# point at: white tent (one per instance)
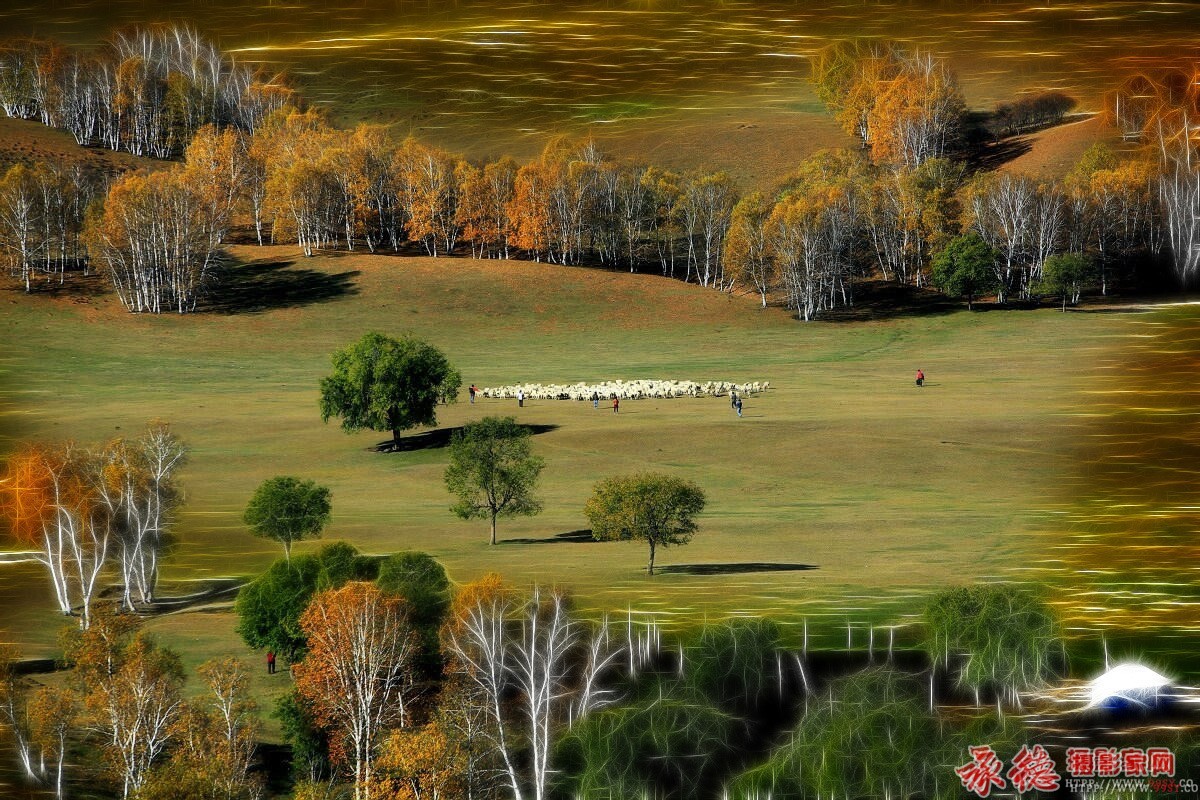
(1131, 683)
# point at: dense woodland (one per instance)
(252, 156)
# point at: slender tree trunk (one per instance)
(493, 528)
(650, 566)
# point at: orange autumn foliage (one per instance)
(358, 674)
(27, 493)
(421, 764)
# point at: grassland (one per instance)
(885, 490)
(28, 142)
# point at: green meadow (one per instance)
(842, 498)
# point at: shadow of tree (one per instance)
(877, 299)
(266, 285)
(990, 156)
(732, 569)
(71, 284)
(437, 438)
(576, 537)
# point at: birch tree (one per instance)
(747, 251)
(357, 676)
(132, 695)
(22, 221)
(139, 490)
(51, 501)
(526, 658)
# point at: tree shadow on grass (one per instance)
(732, 569)
(989, 156)
(267, 285)
(576, 537)
(437, 439)
(877, 299)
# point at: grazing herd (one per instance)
(624, 390)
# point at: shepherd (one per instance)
(920, 378)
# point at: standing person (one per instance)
(738, 405)
(520, 398)
(595, 399)
(471, 391)
(733, 400)
(270, 662)
(616, 404)
(920, 377)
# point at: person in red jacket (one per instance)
(616, 403)
(920, 378)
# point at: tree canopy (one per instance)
(651, 507)
(1064, 276)
(869, 736)
(1004, 636)
(269, 607)
(288, 509)
(421, 582)
(492, 471)
(385, 384)
(965, 268)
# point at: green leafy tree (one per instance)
(492, 471)
(269, 607)
(1065, 276)
(868, 736)
(288, 510)
(308, 740)
(651, 507)
(421, 581)
(673, 746)
(1001, 636)
(730, 663)
(384, 384)
(965, 267)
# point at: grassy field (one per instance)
(844, 495)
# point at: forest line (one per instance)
(256, 158)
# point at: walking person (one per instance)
(471, 391)
(520, 398)
(270, 662)
(920, 377)
(733, 400)
(616, 404)
(738, 405)
(595, 399)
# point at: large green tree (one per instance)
(287, 510)
(385, 384)
(269, 607)
(1065, 275)
(965, 267)
(492, 471)
(422, 583)
(652, 507)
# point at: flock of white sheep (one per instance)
(625, 390)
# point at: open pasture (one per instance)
(844, 495)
